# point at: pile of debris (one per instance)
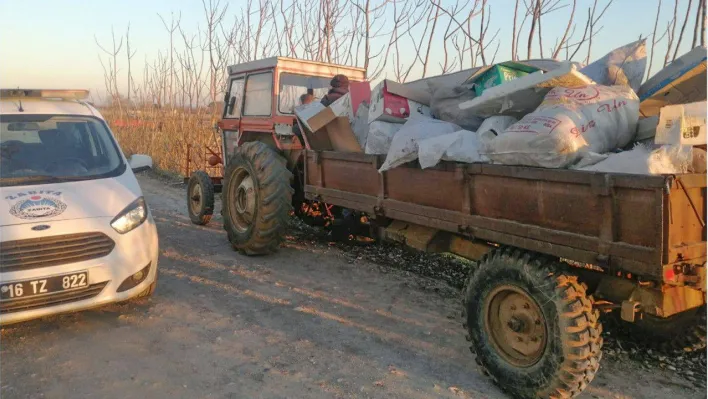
(540, 113)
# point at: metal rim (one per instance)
(195, 199)
(243, 205)
(514, 322)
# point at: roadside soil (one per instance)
(312, 321)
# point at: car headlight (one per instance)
(131, 217)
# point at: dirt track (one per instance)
(304, 323)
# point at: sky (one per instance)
(52, 43)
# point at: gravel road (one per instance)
(309, 322)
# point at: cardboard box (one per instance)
(682, 124)
(337, 135)
(498, 74)
(315, 115)
(341, 136)
(683, 81)
(394, 102)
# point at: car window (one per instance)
(292, 87)
(37, 148)
(235, 95)
(258, 94)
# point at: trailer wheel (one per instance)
(200, 198)
(256, 199)
(684, 332)
(533, 328)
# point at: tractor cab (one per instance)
(261, 97)
(259, 105)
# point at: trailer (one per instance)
(553, 248)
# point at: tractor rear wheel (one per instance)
(256, 198)
(533, 328)
(200, 198)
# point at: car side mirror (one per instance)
(140, 163)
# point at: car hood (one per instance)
(66, 201)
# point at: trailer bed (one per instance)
(623, 223)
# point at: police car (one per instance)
(75, 230)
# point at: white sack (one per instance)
(568, 124)
(445, 105)
(465, 149)
(360, 125)
(642, 160)
(404, 147)
(494, 126)
(380, 135)
(460, 146)
(621, 66)
(699, 161)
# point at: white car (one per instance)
(75, 231)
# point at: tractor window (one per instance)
(293, 87)
(236, 95)
(259, 92)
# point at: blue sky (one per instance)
(50, 43)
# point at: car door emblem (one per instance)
(40, 227)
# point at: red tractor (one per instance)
(259, 168)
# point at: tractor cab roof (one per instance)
(294, 65)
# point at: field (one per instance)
(164, 135)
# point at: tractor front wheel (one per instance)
(256, 199)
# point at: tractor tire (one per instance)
(200, 198)
(532, 327)
(256, 198)
(682, 332)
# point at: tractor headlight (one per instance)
(131, 217)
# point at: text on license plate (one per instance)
(44, 285)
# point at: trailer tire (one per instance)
(200, 198)
(517, 299)
(256, 198)
(683, 332)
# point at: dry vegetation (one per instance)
(174, 100)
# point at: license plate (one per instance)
(43, 286)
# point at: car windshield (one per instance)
(37, 149)
(293, 87)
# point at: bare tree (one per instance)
(565, 37)
(671, 32)
(703, 23)
(110, 69)
(592, 21)
(696, 26)
(683, 28)
(171, 30)
(214, 14)
(535, 16)
(130, 58)
(654, 39)
(514, 56)
(372, 15)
